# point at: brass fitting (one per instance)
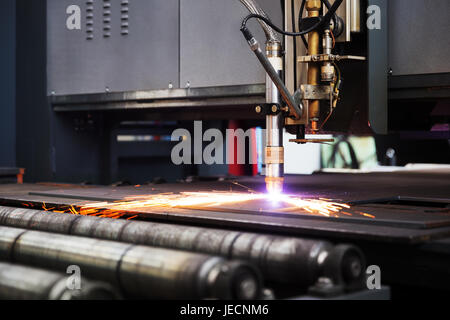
(327, 72)
(313, 8)
(313, 5)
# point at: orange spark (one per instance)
(190, 200)
(212, 199)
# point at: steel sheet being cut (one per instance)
(372, 213)
(392, 223)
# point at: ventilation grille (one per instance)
(106, 18)
(124, 16)
(90, 19)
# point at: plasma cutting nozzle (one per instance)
(274, 185)
(274, 169)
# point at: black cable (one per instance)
(328, 5)
(335, 19)
(274, 27)
(322, 21)
(300, 19)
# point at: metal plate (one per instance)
(393, 223)
(213, 50)
(426, 49)
(146, 58)
(412, 217)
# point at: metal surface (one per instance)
(280, 259)
(295, 109)
(254, 8)
(328, 57)
(355, 22)
(426, 49)
(327, 70)
(313, 8)
(10, 171)
(378, 71)
(345, 11)
(393, 224)
(424, 86)
(412, 216)
(145, 58)
(318, 92)
(167, 98)
(139, 271)
(213, 52)
(274, 151)
(301, 141)
(8, 83)
(26, 283)
(11, 175)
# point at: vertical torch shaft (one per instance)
(274, 125)
(313, 8)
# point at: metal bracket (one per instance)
(315, 92)
(270, 109)
(328, 58)
(304, 141)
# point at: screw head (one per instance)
(274, 109)
(258, 109)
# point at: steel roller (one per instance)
(140, 272)
(26, 283)
(280, 259)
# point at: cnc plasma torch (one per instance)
(282, 109)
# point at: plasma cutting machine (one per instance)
(109, 81)
(292, 88)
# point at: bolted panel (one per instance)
(112, 45)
